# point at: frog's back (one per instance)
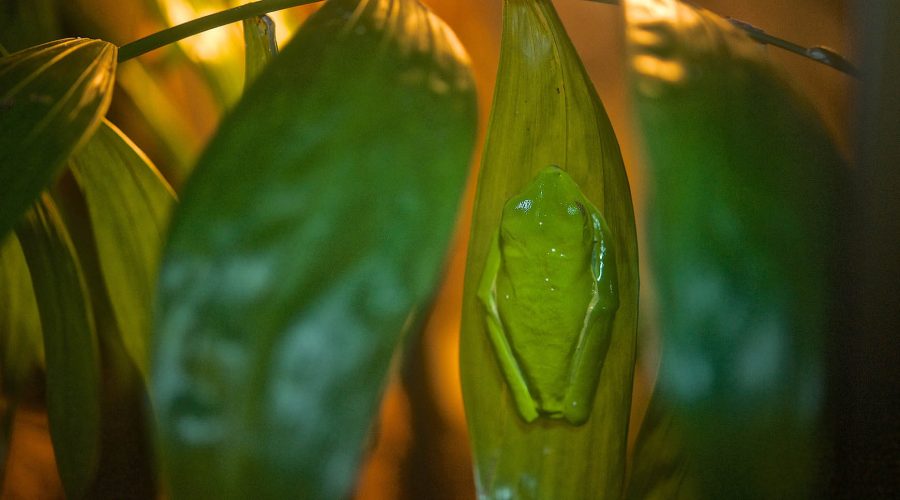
(544, 311)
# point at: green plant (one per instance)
(241, 350)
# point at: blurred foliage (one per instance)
(308, 240)
(743, 233)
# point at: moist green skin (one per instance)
(550, 295)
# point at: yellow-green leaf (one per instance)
(309, 238)
(51, 99)
(70, 345)
(260, 46)
(742, 224)
(129, 204)
(546, 112)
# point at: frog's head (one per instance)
(549, 210)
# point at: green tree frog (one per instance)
(550, 294)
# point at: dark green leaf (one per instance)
(126, 462)
(260, 46)
(312, 232)
(659, 468)
(21, 346)
(70, 344)
(129, 205)
(742, 224)
(51, 99)
(24, 23)
(546, 112)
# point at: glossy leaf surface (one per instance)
(51, 99)
(306, 242)
(129, 203)
(70, 345)
(546, 112)
(742, 227)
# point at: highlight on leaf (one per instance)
(53, 96)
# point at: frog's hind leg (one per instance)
(508, 364)
(596, 333)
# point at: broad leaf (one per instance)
(51, 99)
(742, 227)
(659, 468)
(70, 345)
(546, 112)
(129, 204)
(313, 230)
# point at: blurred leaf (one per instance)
(215, 53)
(24, 23)
(742, 227)
(659, 467)
(70, 343)
(21, 345)
(260, 46)
(546, 112)
(51, 97)
(158, 106)
(129, 205)
(311, 233)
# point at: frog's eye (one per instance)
(575, 208)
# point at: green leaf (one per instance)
(21, 345)
(51, 99)
(742, 226)
(70, 344)
(546, 112)
(310, 236)
(659, 469)
(126, 461)
(129, 204)
(24, 23)
(260, 46)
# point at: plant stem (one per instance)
(818, 53)
(201, 24)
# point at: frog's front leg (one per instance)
(593, 343)
(487, 295)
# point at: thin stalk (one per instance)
(205, 23)
(818, 53)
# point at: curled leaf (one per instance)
(52, 97)
(547, 113)
(306, 243)
(129, 203)
(70, 345)
(260, 46)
